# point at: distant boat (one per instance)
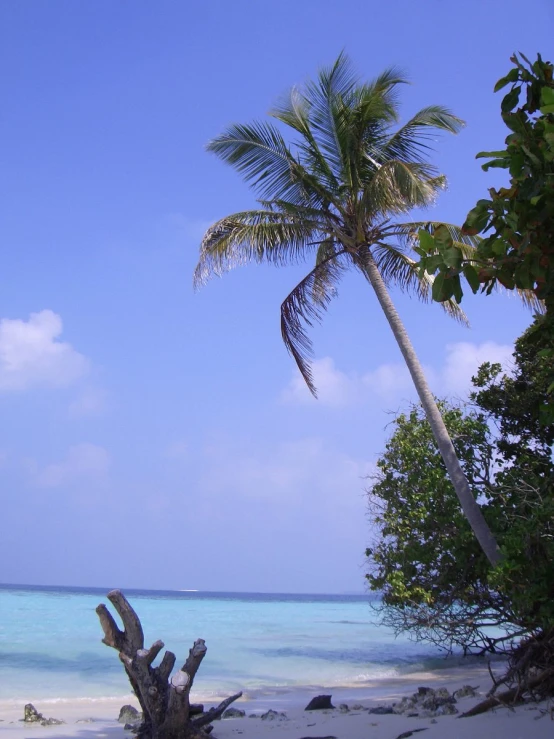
(187, 590)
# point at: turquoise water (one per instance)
(50, 642)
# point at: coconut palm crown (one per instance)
(335, 195)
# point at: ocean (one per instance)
(263, 644)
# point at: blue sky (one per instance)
(154, 437)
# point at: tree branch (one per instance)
(113, 636)
(215, 713)
(134, 636)
(166, 666)
(196, 655)
(149, 655)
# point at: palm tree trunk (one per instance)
(469, 505)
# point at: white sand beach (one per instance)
(97, 719)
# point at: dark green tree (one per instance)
(435, 583)
(519, 404)
(424, 561)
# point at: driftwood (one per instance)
(530, 675)
(163, 697)
(510, 697)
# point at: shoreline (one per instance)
(374, 687)
(96, 718)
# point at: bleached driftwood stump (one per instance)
(164, 698)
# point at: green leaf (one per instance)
(499, 247)
(516, 122)
(472, 277)
(443, 287)
(547, 96)
(438, 285)
(443, 239)
(431, 264)
(447, 288)
(523, 277)
(506, 278)
(503, 81)
(511, 99)
(457, 289)
(496, 164)
(477, 219)
(483, 154)
(453, 257)
(545, 109)
(426, 241)
(516, 165)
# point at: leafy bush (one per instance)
(435, 582)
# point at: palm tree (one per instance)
(334, 194)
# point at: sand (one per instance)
(97, 719)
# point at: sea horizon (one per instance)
(106, 589)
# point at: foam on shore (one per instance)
(95, 718)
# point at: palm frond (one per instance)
(397, 187)
(527, 297)
(378, 99)
(297, 211)
(306, 305)
(373, 108)
(260, 154)
(324, 279)
(399, 270)
(410, 142)
(255, 236)
(328, 98)
(294, 111)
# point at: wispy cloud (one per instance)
(307, 467)
(84, 462)
(32, 355)
(338, 389)
(334, 387)
(463, 360)
(304, 496)
(92, 401)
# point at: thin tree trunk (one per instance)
(469, 505)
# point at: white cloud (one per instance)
(91, 402)
(334, 387)
(389, 382)
(83, 462)
(463, 360)
(338, 389)
(288, 476)
(31, 354)
(306, 467)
